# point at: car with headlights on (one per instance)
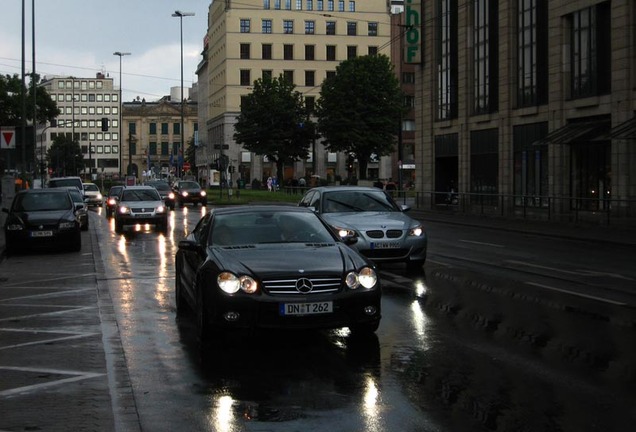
(189, 192)
(140, 205)
(112, 198)
(42, 218)
(165, 191)
(93, 195)
(384, 232)
(251, 268)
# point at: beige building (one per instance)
(152, 139)
(83, 103)
(304, 40)
(528, 105)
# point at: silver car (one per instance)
(384, 232)
(141, 205)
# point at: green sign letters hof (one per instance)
(413, 47)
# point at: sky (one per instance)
(78, 38)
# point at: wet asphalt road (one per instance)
(423, 371)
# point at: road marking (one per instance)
(577, 294)
(42, 341)
(577, 272)
(76, 376)
(482, 243)
(46, 313)
(21, 283)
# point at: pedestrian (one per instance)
(269, 184)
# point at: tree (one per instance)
(274, 122)
(11, 101)
(65, 156)
(359, 109)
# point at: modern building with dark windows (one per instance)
(528, 105)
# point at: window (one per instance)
(590, 61)
(331, 28)
(289, 76)
(266, 4)
(352, 28)
(409, 101)
(91, 97)
(100, 97)
(352, 52)
(310, 103)
(320, 5)
(331, 52)
(446, 59)
(309, 52)
(330, 5)
(245, 26)
(299, 4)
(288, 26)
(485, 59)
(484, 165)
(341, 5)
(310, 78)
(266, 51)
(408, 78)
(133, 147)
(266, 74)
(310, 27)
(288, 4)
(152, 128)
(352, 6)
(530, 164)
(373, 50)
(277, 4)
(245, 77)
(164, 128)
(165, 149)
(266, 26)
(310, 5)
(532, 71)
(152, 148)
(245, 51)
(373, 29)
(176, 128)
(288, 52)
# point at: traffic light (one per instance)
(104, 124)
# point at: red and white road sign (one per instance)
(7, 138)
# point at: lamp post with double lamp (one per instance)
(180, 15)
(121, 107)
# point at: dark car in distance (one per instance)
(165, 191)
(42, 218)
(189, 192)
(230, 272)
(112, 198)
(81, 207)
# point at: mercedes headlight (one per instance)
(230, 283)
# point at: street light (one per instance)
(121, 107)
(180, 15)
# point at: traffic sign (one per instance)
(7, 138)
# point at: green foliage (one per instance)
(274, 122)
(11, 101)
(360, 108)
(65, 157)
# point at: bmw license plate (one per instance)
(306, 308)
(385, 245)
(42, 234)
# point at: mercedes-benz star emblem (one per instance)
(304, 285)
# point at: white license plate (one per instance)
(385, 245)
(42, 234)
(306, 308)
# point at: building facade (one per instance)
(528, 104)
(152, 144)
(84, 103)
(303, 40)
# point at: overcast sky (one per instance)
(78, 38)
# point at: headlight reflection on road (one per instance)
(222, 416)
(419, 320)
(371, 408)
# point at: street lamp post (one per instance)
(121, 107)
(180, 152)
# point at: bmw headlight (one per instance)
(230, 283)
(366, 278)
(416, 231)
(67, 225)
(344, 232)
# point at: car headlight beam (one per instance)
(231, 284)
(366, 278)
(416, 231)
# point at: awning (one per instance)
(578, 132)
(626, 130)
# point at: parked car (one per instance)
(81, 207)
(165, 191)
(56, 182)
(140, 205)
(230, 270)
(189, 192)
(92, 194)
(112, 198)
(42, 218)
(384, 232)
